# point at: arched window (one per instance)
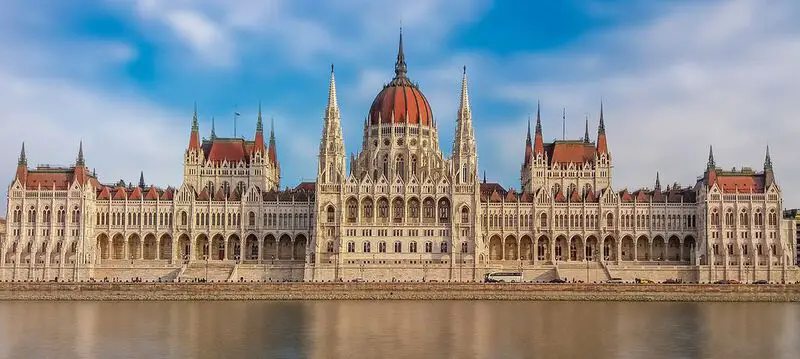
(412, 247)
(368, 209)
(543, 220)
(428, 208)
(351, 247)
(383, 208)
(331, 214)
(609, 220)
(397, 210)
(758, 218)
(76, 215)
(428, 247)
(32, 215)
(744, 219)
(464, 247)
(18, 215)
(226, 188)
(367, 247)
(382, 247)
(414, 165)
(398, 247)
(729, 217)
(465, 215)
(352, 210)
(386, 166)
(400, 167)
(330, 247)
(413, 209)
(444, 210)
(241, 187)
(184, 218)
(251, 219)
(443, 247)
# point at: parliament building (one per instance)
(399, 210)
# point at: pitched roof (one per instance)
(203, 195)
(741, 183)
(570, 152)
(306, 186)
(104, 193)
(152, 194)
(136, 193)
(232, 150)
(119, 194)
(169, 193)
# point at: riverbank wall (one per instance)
(400, 291)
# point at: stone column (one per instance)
(260, 250)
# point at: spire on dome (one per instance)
(711, 164)
(141, 180)
(80, 162)
(23, 160)
(400, 67)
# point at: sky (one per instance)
(675, 77)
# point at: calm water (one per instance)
(412, 329)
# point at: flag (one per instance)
(237, 114)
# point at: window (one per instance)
(330, 247)
(428, 208)
(609, 220)
(400, 167)
(398, 247)
(367, 247)
(386, 166)
(352, 210)
(464, 247)
(428, 247)
(412, 247)
(543, 220)
(465, 215)
(382, 247)
(397, 210)
(368, 208)
(351, 247)
(443, 247)
(413, 165)
(383, 208)
(331, 214)
(444, 210)
(251, 218)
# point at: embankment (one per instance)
(399, 291)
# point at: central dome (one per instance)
(400, 100)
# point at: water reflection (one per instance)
(370, 329)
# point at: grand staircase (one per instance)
(211, 271)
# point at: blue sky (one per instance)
(677, 76)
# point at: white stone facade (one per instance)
(403, 210)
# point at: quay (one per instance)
(104, 291)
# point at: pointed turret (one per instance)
(194, 137)
(400, 67)
(22, 166)
(602, 146)
(528, 145)
(711, 164)
(258, 147)
(333, 103)
(769, 175)
(538, 141)
(213, 130)
(273, 151)
(80, 162)
(586, 133)
(141, 180)
(658, 183)
(464, 154)
(331, 166)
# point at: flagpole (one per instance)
(235, 115)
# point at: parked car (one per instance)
(615, 281)
(643, 281)
(727, 281)
(557, 280)
(673, 281)
(761, 281)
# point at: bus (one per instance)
(503, 277)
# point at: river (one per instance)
(398, 329)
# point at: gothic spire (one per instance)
(538, 141)
(767, 161)
(528, 138)
(464, 106)
(586, 133)
(271, 130)
(332, 101)
(711, 164)
(273, 150)
(80, 162)
(194, 136)
(23, 160)
(658, 183)
(141, 180)
(213, 131)
(259, 124)
(259, 137)
(400, 68)
(195, 126)
(602, 145)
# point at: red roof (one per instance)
(744, 184)
(570, 152)
(590, 197)
(119, 194)
(560, 197)
(575, 197)
(402, 100)
(203, 196)
(306, 186)
(104, 193)
(136, 193)
(152, 194)
(168, 194)
(48, 179)
(230, 149)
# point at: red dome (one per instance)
(401, 98)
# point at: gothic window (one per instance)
(210, 188)
(443, 247)
(428, 247)
(368, 209)
(464, 247)
(331, 214)
(251, 219)
(464, 174)
(352, 210)
(351, 247)
(382, 247)
(226, 188)
(609, 220)
(729, 217)
(383, 208)
(17, 215)
(367, 247)
(76, 215)
(543, 220)
(414, 165)
(412, 247)
(758, 218)
(183, 218)
(428, 208)
(397, 210)
(465, 215)
(413, 208)
(444, 210)
(773, 218)
(241, 187)
(330, 247)
(32, 215)
(744, 219)
(400, 167)
(398, 247)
